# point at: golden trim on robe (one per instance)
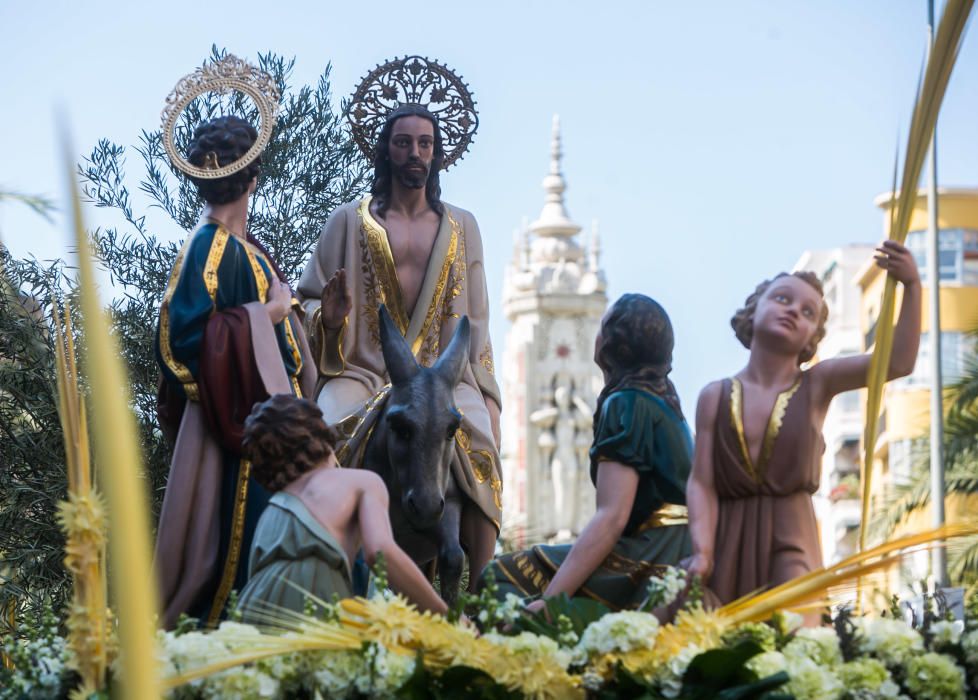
(234, 546)
(181, 371)
(383, 263)
(214, 256)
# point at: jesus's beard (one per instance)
(409, 177)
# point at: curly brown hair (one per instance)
(285, 437)
(225, 139)
(743, 321)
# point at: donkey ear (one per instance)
(401, 365)
(451, 364)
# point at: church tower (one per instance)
(554, 297)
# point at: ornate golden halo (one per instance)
(414, 80)
(230, 73)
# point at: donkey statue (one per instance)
(412, 446)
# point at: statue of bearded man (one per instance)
(403, 247)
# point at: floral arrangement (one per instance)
(384, 647)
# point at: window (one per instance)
(956, 347)
(901, 461)
(957, 254)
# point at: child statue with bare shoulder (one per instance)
(318, 518)
(759, 441)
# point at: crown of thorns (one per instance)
(414, 80)
(229, 74)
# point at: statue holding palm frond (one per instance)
(758, 437)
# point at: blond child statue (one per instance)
(759, 434)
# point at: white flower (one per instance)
(767, 663)
(621, 631)
(970, 644)
(527, 643)
(240, 684)
(665, 589)
(670, 676)
(809, 681)
(388, 672)
(947, 632)
(339, 671)
(820, 644)
(893, 642)
(786, 621)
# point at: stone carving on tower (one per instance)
(554, 297)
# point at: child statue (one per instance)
(759, 434)
(318, 517)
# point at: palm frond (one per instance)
(120, 464)
(940, 63)
(819, 584)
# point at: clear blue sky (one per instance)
(713, 141)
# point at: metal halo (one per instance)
(414, 80)
(230, 73)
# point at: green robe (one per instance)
(292, 554)
(638, 429)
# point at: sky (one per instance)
(714, 142)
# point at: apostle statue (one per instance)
(228, 336)
(403, 247)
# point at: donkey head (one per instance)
(421, 419)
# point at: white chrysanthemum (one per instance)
(767, 663)
(893, 642)
(809, 681)
(820, 644)
(339, 672)
(947, 632)
(621, 631)
(935, 677)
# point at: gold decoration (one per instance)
(414, 80)
(229, 74)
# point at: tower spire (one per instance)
(554, 221)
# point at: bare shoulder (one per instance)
(366, 481)
(707, 404)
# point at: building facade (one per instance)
(554, 297)
(904, 422)
(837, 505)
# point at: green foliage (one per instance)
(32, 456)
(960, 470)
(722, 674)
(455, 682)
(310, 166)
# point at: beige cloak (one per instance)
(353, 378)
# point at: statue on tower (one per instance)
(403, 247)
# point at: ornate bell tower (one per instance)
(554, 297)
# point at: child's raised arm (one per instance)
(701, 494)
(835, 376)
(375, 531)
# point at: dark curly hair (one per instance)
(636, 350)
(743, 321)
(225, 139)
(285, 437)
(383, 177)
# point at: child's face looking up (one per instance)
(788, 314)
